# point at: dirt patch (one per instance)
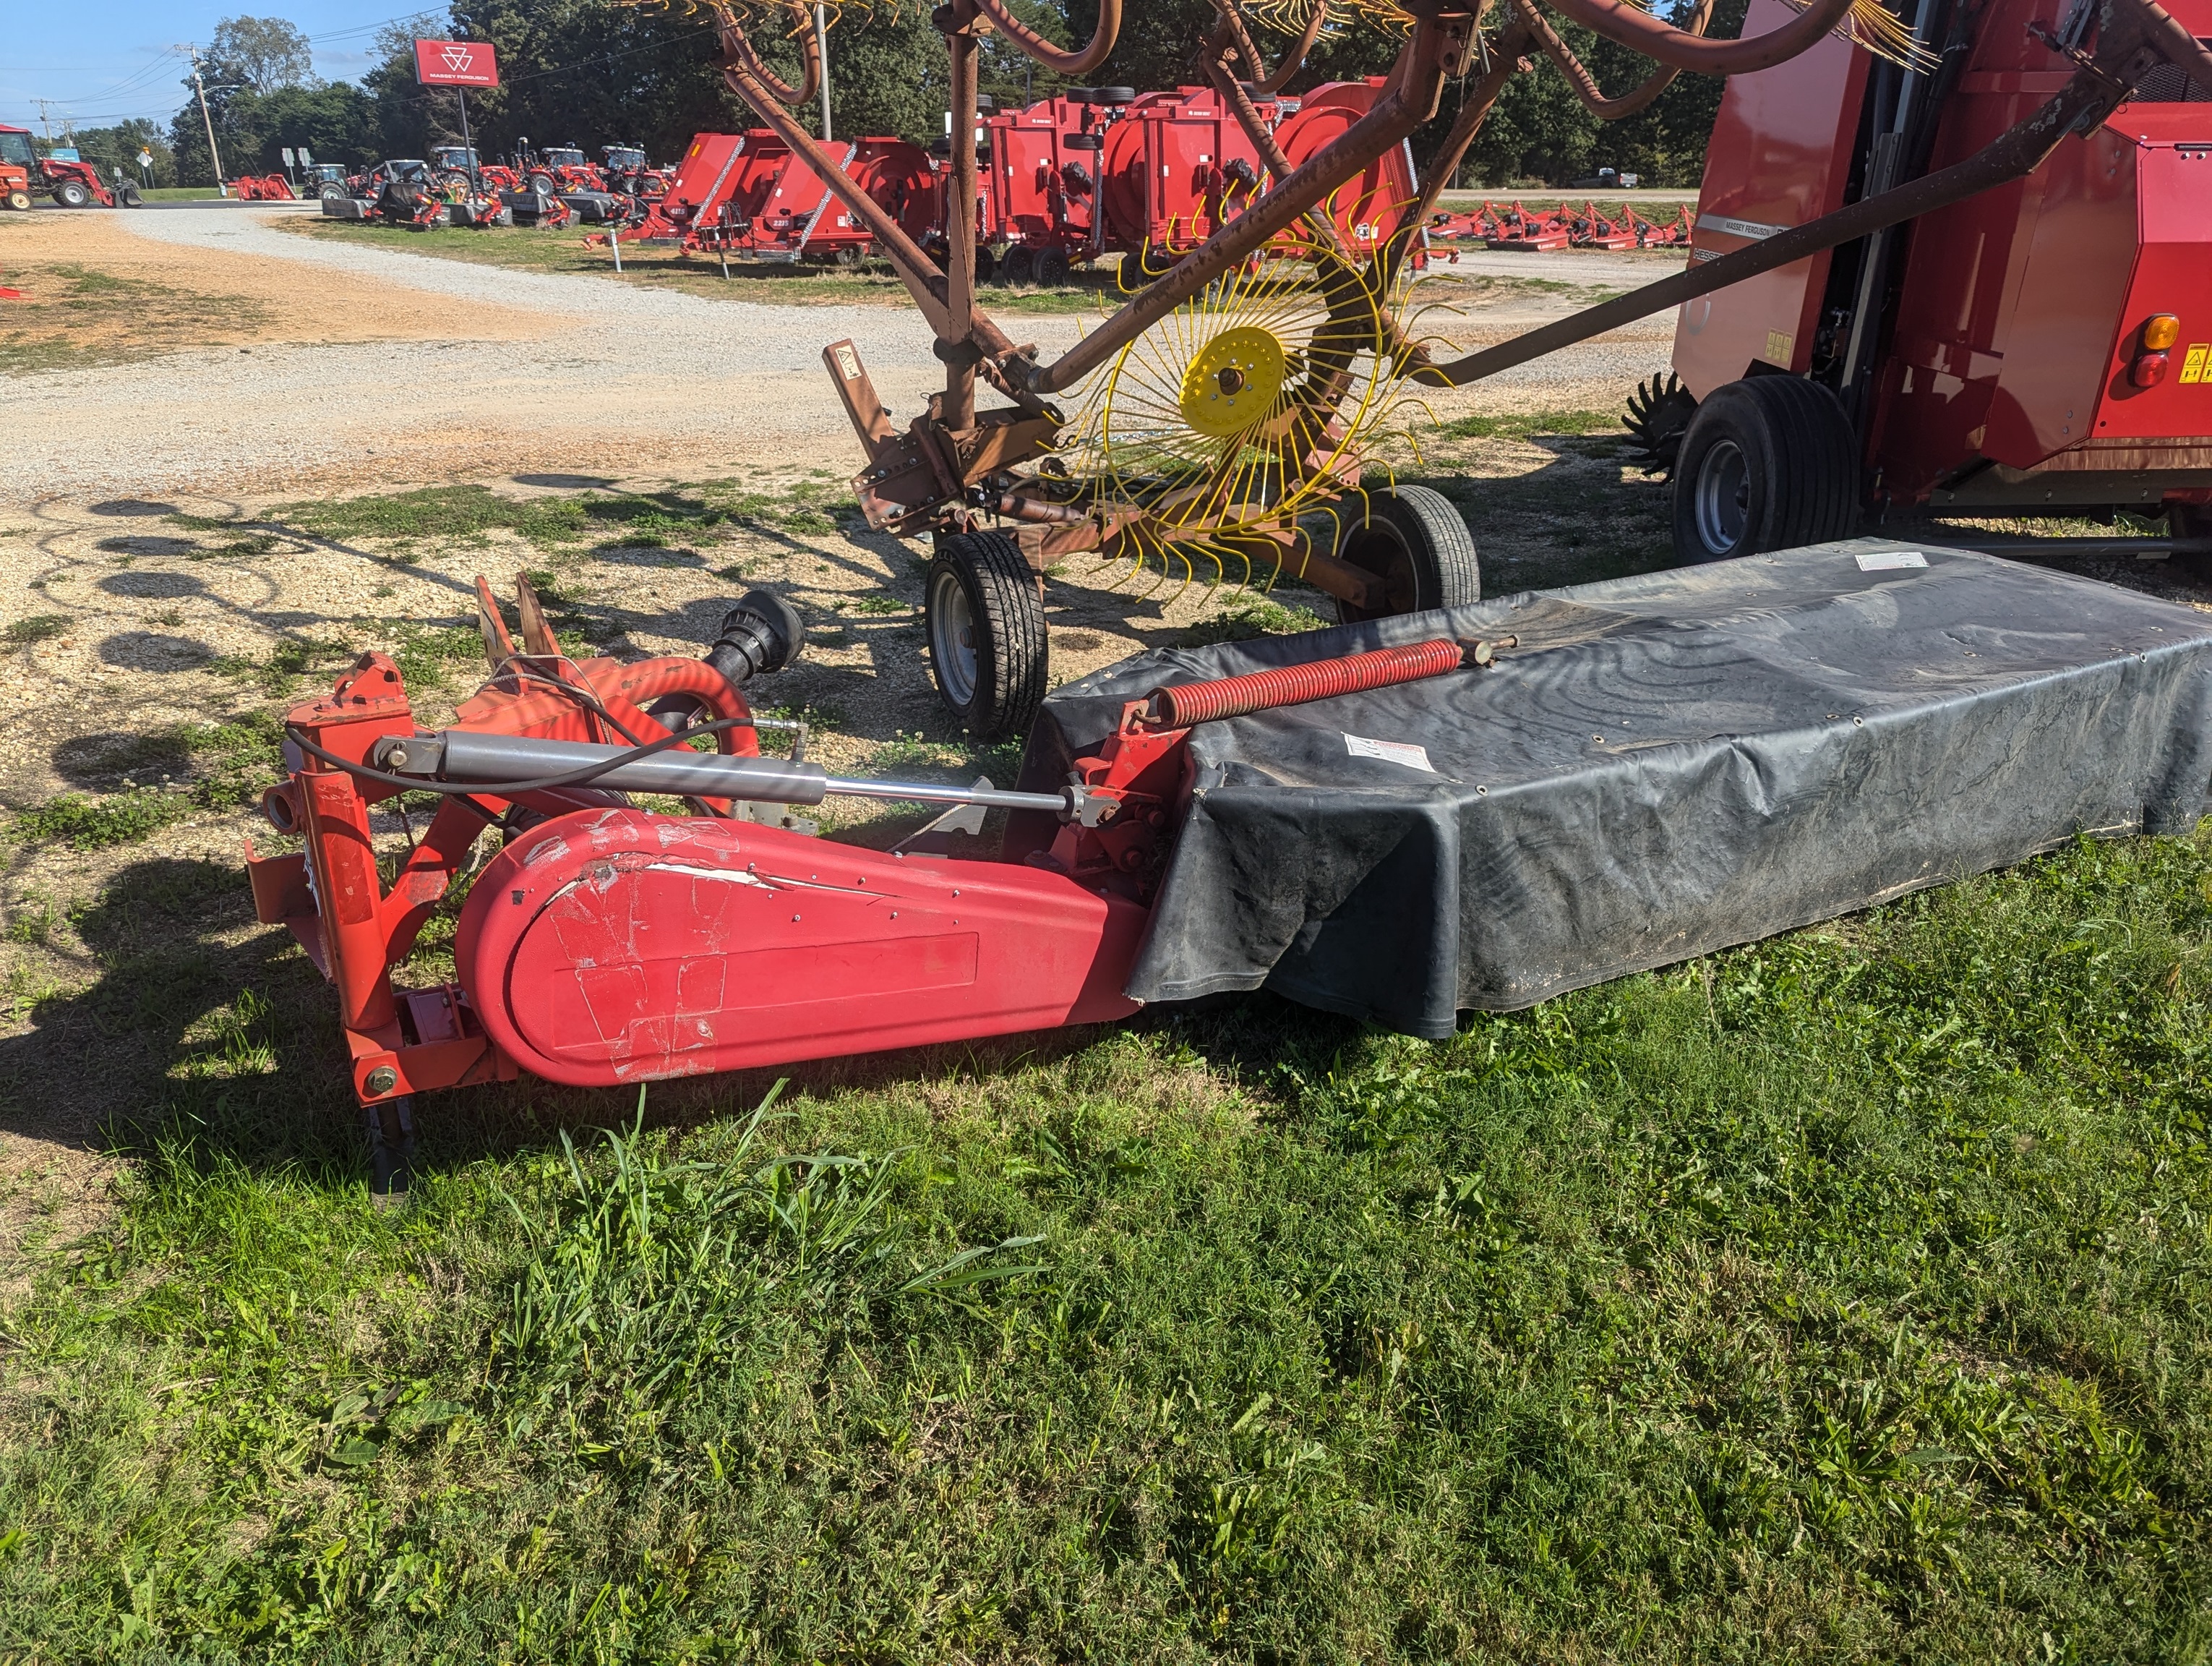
(97, 294)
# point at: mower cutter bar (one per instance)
(470, 756)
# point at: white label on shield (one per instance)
(1390, 751)
(1889, 561)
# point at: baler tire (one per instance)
(1768, 463)
(1017, 266)
(2192, 521)
(1052, 269)
(1418, 544)
(988, 648)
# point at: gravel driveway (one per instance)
(552, 373)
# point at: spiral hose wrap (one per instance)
(1188, 703)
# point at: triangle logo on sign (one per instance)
(458, 57)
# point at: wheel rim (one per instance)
(1723, 497)
(952, 639)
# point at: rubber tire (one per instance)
(987, 264)
(1052, 269)
(1418, 544)
(1152, 265)
(1799, 471)
(2191, 521)
(985, 574)
(333, 192)
(1017, 265)
(20, 201)
(72, 194)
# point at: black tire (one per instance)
(1017, 266)
(20, 201)
(987, 264)
(1417, 543)
(1154, 264)
(2192, 521)
(73, 193)
(1768, 463)
(1052, 269)
(989, 651)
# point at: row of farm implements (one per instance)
(1537, 230)
(1225, 422)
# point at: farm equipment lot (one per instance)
(1841, 1297)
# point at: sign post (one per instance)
(459, 64)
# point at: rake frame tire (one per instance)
(1768, 463)
(1418, 544)
(989, 652)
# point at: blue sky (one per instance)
(119, 58)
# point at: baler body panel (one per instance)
(2173, 274)
(1780, 154)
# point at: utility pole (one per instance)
(46, 119)
(822, 47)
(215, 155)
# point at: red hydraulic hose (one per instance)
(1187, 703)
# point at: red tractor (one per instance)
(24, 174)
(2044, 347)
(624, 169)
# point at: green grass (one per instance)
(1528, 425)
(36, 628)
(200, 766)
(1842, 1298)
(77, 315)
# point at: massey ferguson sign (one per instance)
(455, 64)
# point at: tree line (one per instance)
(590, 72)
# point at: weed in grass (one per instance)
(1528, 425)
(427, 655)
(291, 659)
(1248, 615)
(37, 627)
(84, 822)
(439, 512)
(874, 606)
(32, 920)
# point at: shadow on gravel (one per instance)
(132, 505)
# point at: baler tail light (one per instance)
(2159, 331)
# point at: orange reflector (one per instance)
(2161, 332)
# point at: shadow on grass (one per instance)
(203, 1020)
